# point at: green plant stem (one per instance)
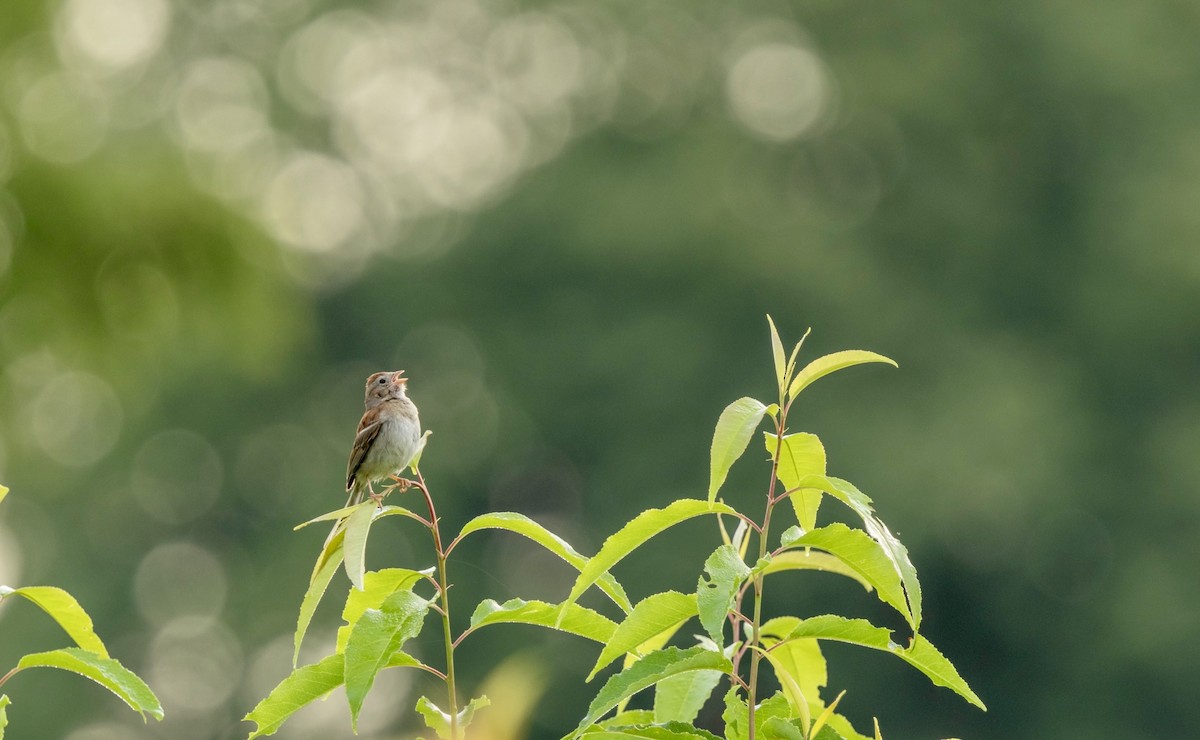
(443, 591)
(755, 625)
(6, 676)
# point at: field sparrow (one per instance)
(388, 435)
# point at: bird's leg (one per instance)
(376, 497)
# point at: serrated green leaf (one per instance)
(823, 366)
(860, 503)
(844, 730)
(648, 671)
(439, 721)
(577, 620)
(715, 594)
(526, 527)
(866, 557)
(323, 571)
(107, 672)
(640, 529)
(652, 616)
(812, 560)
(64, 609)
(800, 454)
(778, 728)
(358, 527)
(4, 700)
(732, 435)
(736, 716)
(378, 587)
(376, 636)
(920, 654)
(664, 731)
(680, 698)
(301, 687)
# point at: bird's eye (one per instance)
(382, 380)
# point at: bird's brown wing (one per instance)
(362, 442)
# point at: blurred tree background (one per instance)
(567, 220)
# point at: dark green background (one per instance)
(1001, 196)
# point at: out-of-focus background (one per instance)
(567, 221)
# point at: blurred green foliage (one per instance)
(566, 220)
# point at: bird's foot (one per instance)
(401, 484)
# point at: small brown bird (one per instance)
(388, 435)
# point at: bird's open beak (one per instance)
(398, 377)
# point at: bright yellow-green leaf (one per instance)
(358, 527)
(65, 610)
(801, 657)
(641, 528)
(326, 565)
(920, 654)
(781, 378)
(526, 527)
(647, 672)
(378, 587)
(812, 560)
(800, 455)
(820, 721)
(865, 556)
(791, 687)
(734, 429)
(439, 721)
(105, 671)
(823, 366)
(858, 501)
(652, 616)
(578, 620)
(376, 636)
(3, 492)
(4, 700)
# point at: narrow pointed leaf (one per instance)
(866, 557)
(921, 654)
(791, 688)
(65, 610)
(715, 594)
(647, 672)
(317, 588)
(663, 731)
(821, 720)
(303, 686)
(329, 516)
(781, 379)
(640, 529)
(823, 366)
(813, 560)
(526, 527)
(800, 455)
(377, 634)
(735, 427)
(858, 501)
(680, 698)
(358, 527)
(378, 587)
(577, 620)
(326, 566)
(652, 616)
(105, 671)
